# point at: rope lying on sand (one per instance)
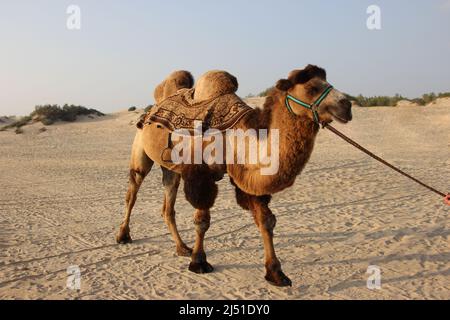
(353, 143)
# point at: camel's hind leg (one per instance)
(140, 166)
(171, 182)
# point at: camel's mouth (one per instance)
(343, 119)
(339, 119)
(342, 111)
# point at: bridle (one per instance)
(313, 106)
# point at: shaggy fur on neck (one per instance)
(297, 136)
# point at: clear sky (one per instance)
(125, 48)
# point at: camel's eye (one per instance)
(313, 90)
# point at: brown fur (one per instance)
(297, 133)
(297, 136)
(306, 74)
(301, 77)
(213, 84)
(244, 200)
(200, 187)
(174, 82)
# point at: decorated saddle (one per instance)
(180, 111)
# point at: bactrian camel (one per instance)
(296, 107)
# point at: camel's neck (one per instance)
(297, 137)
(296, 141)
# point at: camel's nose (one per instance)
(345, 103)
(346, 109)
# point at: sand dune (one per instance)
(62, 195)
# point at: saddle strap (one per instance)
(168, 148)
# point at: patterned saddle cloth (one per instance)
(180, 111)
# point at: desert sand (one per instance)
(62, 197)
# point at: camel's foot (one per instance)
(184, 251)
(201, 267)
(123, 237)
(278, 278)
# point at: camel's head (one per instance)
(309, 87)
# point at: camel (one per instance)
(296, 107)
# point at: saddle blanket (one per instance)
(180, 111)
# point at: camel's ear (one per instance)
(310, 71)
(284, 85)
(315, 71)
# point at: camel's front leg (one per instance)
(199, 264)
(201, 191)
(266, 222)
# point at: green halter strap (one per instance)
(313, 107)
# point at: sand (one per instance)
(62, 196)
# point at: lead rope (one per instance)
(353, 143)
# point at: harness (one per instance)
(313, 106)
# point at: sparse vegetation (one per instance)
(49, 114)
(148, 108)
(378, 101)
(17, 124)
(266, 92)
(392, 101)
(431, 97)
(131, 109)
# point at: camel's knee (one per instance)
(264, 218)
(259, 205)
(170, 179)
(268, 222)
(200, 187)
(136, 177)
(171, 182)
(134, 183)
(202, 221)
